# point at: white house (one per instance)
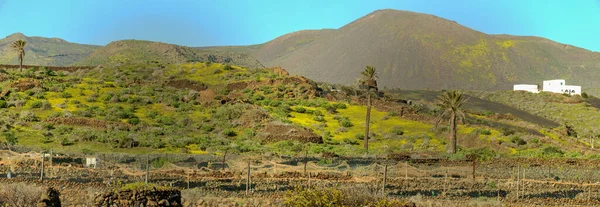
(555, 86)
(91, 162)
(526, 87)
(559, 86)
(572, 90)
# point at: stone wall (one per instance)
(51, 198)
(139, 198)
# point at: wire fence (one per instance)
(501, 179)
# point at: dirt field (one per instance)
(427, 182)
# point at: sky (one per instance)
(246, 22)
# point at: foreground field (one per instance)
(203, 181)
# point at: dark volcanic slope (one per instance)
(419, 51)
(137, 51)
(479, 105)
(44, 51)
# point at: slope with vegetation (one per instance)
(573, 112)
(43, 51)
(142, 52)
(216, 108)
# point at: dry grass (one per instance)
(20, 195)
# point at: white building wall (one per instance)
(526, 87)
(573, 90)
(91, 162)
(555, 86)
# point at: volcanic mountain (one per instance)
(420, 51)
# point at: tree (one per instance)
(369, 83)
(19, 46)
(450, 102)
(11, 139)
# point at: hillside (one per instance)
(138, 51)
(419, 51)
(44, 51)
(206, 107)
(580, 113)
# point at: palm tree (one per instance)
(450, 102)
(19, 46)
(368, 81)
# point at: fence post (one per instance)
(248, 179)
(50, 158)
(308, 181)
(518, 174)
(445, 183)
(384, 179)
(147, 167)
(224, 156)
(406, 170)
(498, 189)
(42, 170)
(305, 160)
(523, 183)
(473, 171)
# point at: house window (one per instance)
(561, 83)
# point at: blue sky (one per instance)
(244, 22)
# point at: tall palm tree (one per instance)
(369, 83)
(19, 46)
(450, 102)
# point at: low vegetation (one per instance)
(206, 107)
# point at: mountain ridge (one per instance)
(411, 50)
(44, 51)
(423, 51)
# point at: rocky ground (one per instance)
(426, 182)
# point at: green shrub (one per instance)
(36, 104)
(340, 106)
(584, 95)
(350, 141)
(517, 140)
(317, 112)
(344, 122)
(319, 118)
(65, 94)
(206, 128)
(396, 130)
(482, 131)
(151, 114)
(3, 104)
(359, 136)
(534, 140)
(165, 120)
(552, 151)
(159, 162)
(229, 132)
(300, 110)
(330, 108)
(133, 121)
(66, 141)
(506, 131)
(275, 103)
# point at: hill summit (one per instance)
(420, 51)
(44, 51)
(146, 51)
